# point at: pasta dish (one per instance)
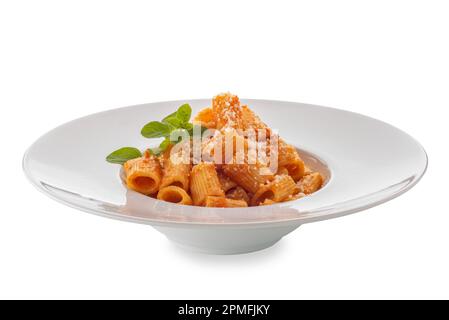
(226, 157)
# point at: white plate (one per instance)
(368, 161)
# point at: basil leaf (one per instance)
(173, 122)
(172, 115)
(179, 118)
(188, 126)
(122, 155)
(184, 113)
(155, 129)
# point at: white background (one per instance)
(65, 59)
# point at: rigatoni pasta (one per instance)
(289, 159)
(143, 175)
(310, 183)
(204, 182)
(248, 176)
(278, 190)
(175, 174)
(227, 111)
(174, 194)
(221, 202)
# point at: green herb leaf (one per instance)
(184, 113)
(180, 117)
(171, 115)
(155, 129)
(122, 155)
(173, 122)
(188, 126)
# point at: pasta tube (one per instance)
(277, 190)
(204, 182)
(289, 158)
(143, 174)
(221, 202)
(247, 176)
(310, 183)
(227, 111)
(174, 194)
(175, 174)
(251, 121)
